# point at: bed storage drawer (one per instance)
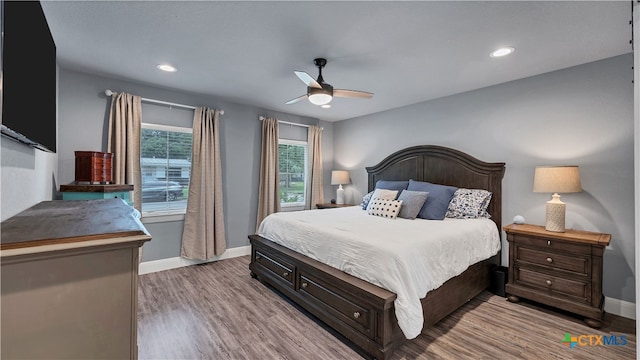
(343, 306)
(361, 312)
(276, 266)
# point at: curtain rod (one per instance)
(289, 123)
(108, 92)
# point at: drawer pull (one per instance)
(285, 273)
(549, 260)
(304, 285)
(356, 315)
(549, 282)
(549, 242)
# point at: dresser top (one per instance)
(578, 236)
(75, 221)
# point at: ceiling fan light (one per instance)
(319, 96)
(320, 99)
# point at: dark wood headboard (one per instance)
(446, 166)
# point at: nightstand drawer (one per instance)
(553, 244)
(573, 288)
(576, 264)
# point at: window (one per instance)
(292, 157)
(165, 161)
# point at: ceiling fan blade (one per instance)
(293, 101)
(307, 79)
(352, 94)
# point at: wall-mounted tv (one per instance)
(29, 86)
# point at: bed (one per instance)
(362, 312)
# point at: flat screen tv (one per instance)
(29, 86)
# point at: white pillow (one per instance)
(383, 194)
(384, 208)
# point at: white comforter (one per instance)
(407, 257)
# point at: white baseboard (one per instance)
(611, 305)
(620, 308)
(176, 262)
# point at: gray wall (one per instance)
(28, 177)
(83, 113)
(581, 116)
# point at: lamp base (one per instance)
(340, 195)
(555, 214)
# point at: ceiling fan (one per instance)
(321, 93)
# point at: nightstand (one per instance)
(563, 270)
(330, 206)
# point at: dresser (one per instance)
(69, 277)
(563, 270)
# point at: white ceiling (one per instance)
(404, 52)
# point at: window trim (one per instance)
(165, 214)
(298, 205)
(160, 127)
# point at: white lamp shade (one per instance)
(339, 177)
(557, 179)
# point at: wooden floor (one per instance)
(217, 311)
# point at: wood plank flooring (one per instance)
(217, 311)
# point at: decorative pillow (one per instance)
(437, 204)
(383, 194)
(365, 200)
(412, 202)
(384, 208)
(392, 185)
(469, 204)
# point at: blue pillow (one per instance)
(392, 185)
(437, 204)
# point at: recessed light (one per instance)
(503, 51)
(167, 68)
(325, 106)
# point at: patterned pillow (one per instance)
(365, 200)
(383, 194)
(469, 204)
(384, 208)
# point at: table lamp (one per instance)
(339, 177)
(556, 179)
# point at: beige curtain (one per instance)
(204, 235)
(125, 120)
(269, 191)
(315, 194)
